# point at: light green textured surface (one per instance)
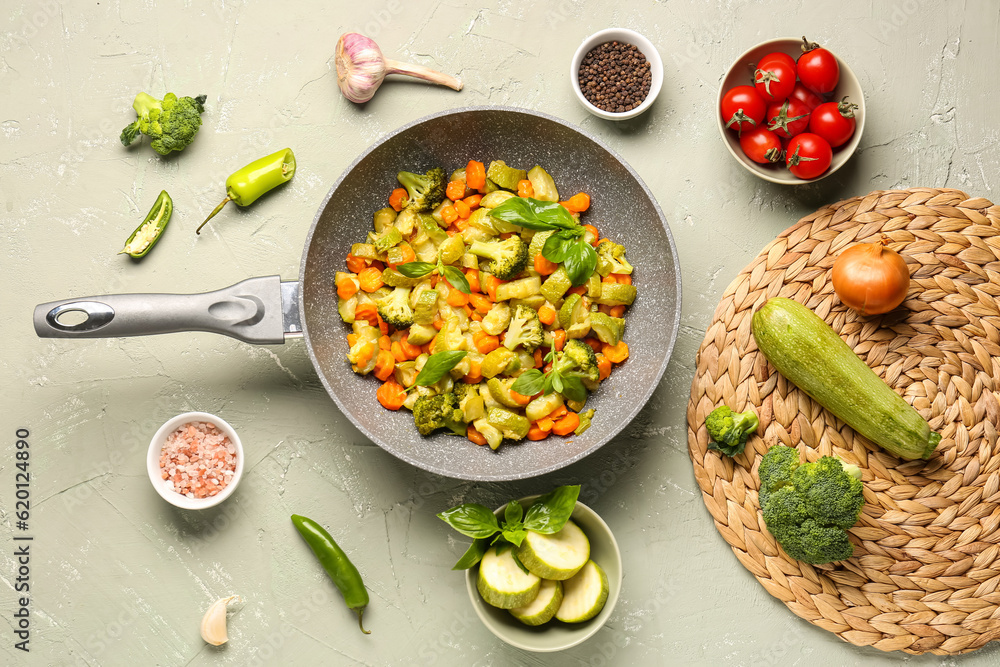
(121, 578)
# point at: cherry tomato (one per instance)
(742, 108)
(818, 68)
(774, 80)
(808, 155)
(803, 94)
(789, 118)
(761, 145)
(779, 56)
(834, 121)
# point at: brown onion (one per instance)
(871, 278)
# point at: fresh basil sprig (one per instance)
(437, 365)
(453, 275)
(533, 381)
(566, 246)
(415, 269)
(547, 515)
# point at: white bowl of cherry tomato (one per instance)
(790, 111)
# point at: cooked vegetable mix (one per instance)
(149, 230)
(246, 185)
(484, 305)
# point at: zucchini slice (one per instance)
(502, 583)
(545, 605)
(557, 556)
(584, 594)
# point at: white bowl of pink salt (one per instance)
(195, 460)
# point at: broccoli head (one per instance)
(729, 430)
(424, 191)
(578, 357)
(509, 257)
(431, 413)
(525, 329)
(611, 259)
(170, 123)
(809, 507)
(395, 308)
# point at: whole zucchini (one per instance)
(813, 357)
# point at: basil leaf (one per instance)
(573, 389)
(557, 382)
(437, 365)
(456, 279)
(534, 214)
(556, 248)
(513, 514)
(529, 382)
(472, 520)
(474, 554)
(546, 384)
(580, 262)
(515, 537)
(415, 269)
(550, 512)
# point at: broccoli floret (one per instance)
(729, 430)
(509, 257)
(395, 308)
(611, 259)
(441, 411)
(424, 191)
(525, 329)
(578, 357)
(171, 123)
(809, 507)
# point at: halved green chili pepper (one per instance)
(149, 230)
(337, 565)
(244, 186)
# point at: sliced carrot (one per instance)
(475, 175)
(578, 203)
(538, 358)
(455, 190)
(385, 363)
(397, 200)
(453, 228)
(544, 266)
(490, 283)
(520, 399)
(365, 354)
(525, 188)
(594, 344)
(391, 395)
(472, 201)
(397, 352)
(547, 314)
(408, 255)
(438, 323)
(567, 424)
(610, 279)
(616, 353)
(385, 343)
(474, 436)
(485, 342)
(616, 311)
(558, 413)
(370, 279)
(472, 276)
(367, 312)
(476, 316)
(449, 214)
(463, 210)
(594, 233)
(475, 373)
(603, 367)
(347, 288)
(481, 303)
(545, 424)
(352, 338)
(535, 433)
(355, 264)
(376, 264)
(411, 351)
(468, 310)
(382, 325)
(605, 308)
(581, 290)
(456, 299)
(559, 337)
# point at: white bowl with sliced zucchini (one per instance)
(555, 590)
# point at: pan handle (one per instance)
(250, 311)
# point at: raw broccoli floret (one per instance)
(171, 123)
(395, 308)
(441, 411)
(577, 357)
(509, 257)
(424, 191)
(809, 507)
(525, 329)
(729, 430)
(611, 259)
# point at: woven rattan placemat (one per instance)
(925, 575)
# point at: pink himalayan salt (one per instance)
(197, 460)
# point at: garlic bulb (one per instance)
(213, 623)
(361, 68)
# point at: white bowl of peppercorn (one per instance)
(616, 74)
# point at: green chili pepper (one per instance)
(149, 230)
(245, 186)
(337, 565)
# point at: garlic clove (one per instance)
(213, 623)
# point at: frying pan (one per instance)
(267, 310)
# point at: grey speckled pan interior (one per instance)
(623, 209)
